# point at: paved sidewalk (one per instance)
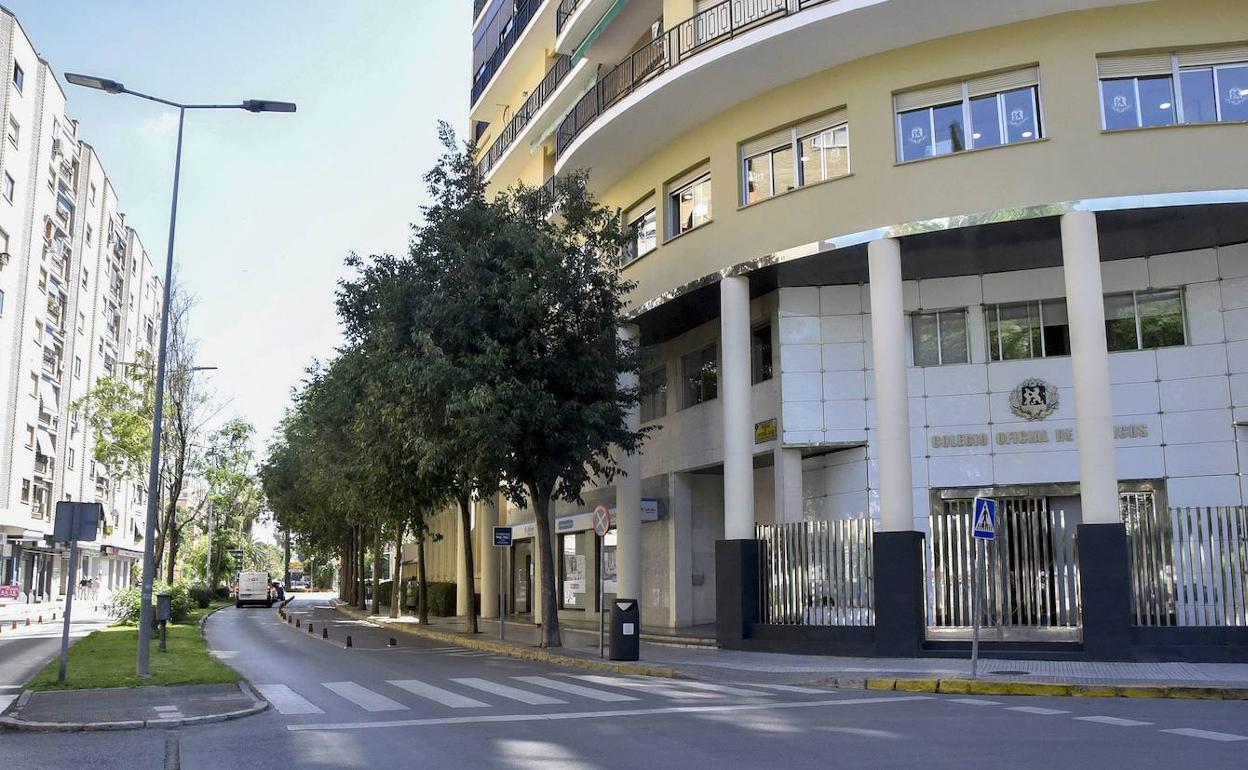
(131, 707)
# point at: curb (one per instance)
(527, 653)
(1052, 689)
(13, 723)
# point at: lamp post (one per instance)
(153, 486)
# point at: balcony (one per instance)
(512, 31)
(532, 106)
(565, 11)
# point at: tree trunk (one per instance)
(422, 588)
(286, 561)
(173, 556)
(396, 580)
(375, 604)
(546, 563)
(344, 559)
(361, 549)
(465, 520)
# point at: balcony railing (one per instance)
(564, 12)
(540, 95)
(525, 11)
(477, 7)
(715, 25)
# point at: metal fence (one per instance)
(1030, 573)
(1189, 566)
(817, 573)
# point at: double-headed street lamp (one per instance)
(251, 105)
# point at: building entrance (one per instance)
(522, 579)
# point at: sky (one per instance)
(270, 204)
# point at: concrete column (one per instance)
(735, 396)
(892, 409)
(628, 499)
(487, 519)
(788, 472)
(680, 550)
(463, 581)
(1089, 356)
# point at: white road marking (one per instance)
(707, 686)
(5, 700)
(286, 700)
(470, 654)
(1114, 721)
(363, 697)
(575, 689)
(790, 688)
(768, 706)
(974, 702)
(515, 693)
(445, 697)
(654, 688)
(165, 708)
(1208, 735)
(1036, 710)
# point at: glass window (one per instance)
(940, 338)
(10, 187)
(690, 206)
(948, 129)
(759, 181)
(1233, 92)
(572, 568)
(1018, 108)
(1200, 101)
(1120, 330)
(1004, 117)
(985, 121)
(15, 131)
(1056, 327)
(1, 302)
(1156, 101)
(916, 134)
(760, 354)
(1161, 318)
(643, 236)
(654, 394)
(824, 155)
(700, 371)
(1023, 330)
(1120, 103)
(19, 77)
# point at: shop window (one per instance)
(1143, 320)
(1022, 330)
(643, 234)
(1208, 85)
(700, 371)
(940, 338)
(654, 394)
(689, 204)
(808, 153)
(983, 112)
(575, 592)
(760, 354)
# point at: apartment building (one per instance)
(891, 256)
(78, 299)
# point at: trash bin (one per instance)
(164, 607)
(625, 629)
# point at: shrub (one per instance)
(222, 592)
(126, 603)
(441, 599)
(384, 589)
(201, 596)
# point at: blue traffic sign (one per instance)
(502, 536)
(985, 518)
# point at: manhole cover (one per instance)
(1007, 672)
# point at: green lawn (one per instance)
(106, 658)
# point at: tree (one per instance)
(118, 411)
(233, 490)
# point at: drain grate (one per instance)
(1008, 672)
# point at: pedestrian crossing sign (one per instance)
(985, 518)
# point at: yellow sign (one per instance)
(765, 431)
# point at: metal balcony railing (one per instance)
(715, 25)
(537, 99)
(524, 13)
(477, 7)
(564, 12)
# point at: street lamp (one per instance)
(251, 105)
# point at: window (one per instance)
(805, 154)
(689, 205)
(760, 353)
(30, 437)
(19, 76)
(1023, 330)
(82, 321)
(25, 490)
(984, 112)
(1163, 89)
(70, 458)
(572, 569)
(15, 131)
(654, 394)
(940, 338)
(89, 233)
(1, 302)
(34, 385)
(1143, 320)
(10, 187)
(78, 367)
(92, 197)
(85, 276)
(700, 371)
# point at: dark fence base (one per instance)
(1190, 644)
(736, 591)
(855, 641)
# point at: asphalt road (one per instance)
(426, 704)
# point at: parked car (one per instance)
(300, 585)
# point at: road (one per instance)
(427, 704)
(24, 651)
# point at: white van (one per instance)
(253, 588)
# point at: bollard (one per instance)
(324, 633)
(309, 628)
(348, 641)
(392, 643)
(14, 626)
(27, 621)
(41, 620)
(53, 617)
(296, 622)
(290, 619)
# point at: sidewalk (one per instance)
(130, 708)
(20, 611)
(1217, 680)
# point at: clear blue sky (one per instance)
(270, 203)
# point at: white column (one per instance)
(463, 581)
(1089, 356)
(487, 519)
(680, 550)
(734, 393)
(788, 476)
(628, 499)
(892, 408)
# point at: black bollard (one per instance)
(348, 641)
(392, 643)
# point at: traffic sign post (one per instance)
(502, 541)
(602, 525)
(983, 530)
(74, 522)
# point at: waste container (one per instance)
(164, 607)
(625, 629)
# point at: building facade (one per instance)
(892, 255)
(78, 298)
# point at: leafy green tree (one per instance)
(118, 411)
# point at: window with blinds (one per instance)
(987, 111)
(810, 152)
(642, 226)
(1197, 85)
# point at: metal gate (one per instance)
(1031, 577)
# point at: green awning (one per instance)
(606, 19)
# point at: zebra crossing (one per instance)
(479, 693)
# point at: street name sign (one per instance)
(985, 519)
(502, 536)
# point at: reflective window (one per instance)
(1023, 330)
(700, 372)
(1120, 103)
(985, 121)
(1200, 101)
(643, 236)
(1145, 319)
(1156, 101)
(916, 134)
(1233, 92)
(654, 394)
(1018, 111)
(690, 206)
(824, 155)
(1005, 117)
(760, 354)
(1201, 94)
(948, 129)
(940, 338)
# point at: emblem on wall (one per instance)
(1033, 399)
